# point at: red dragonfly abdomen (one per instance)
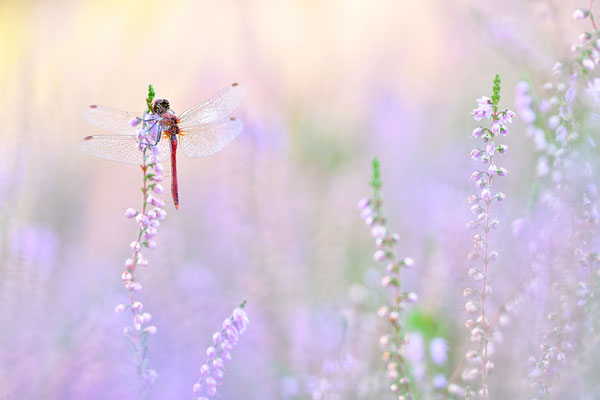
(174, 191)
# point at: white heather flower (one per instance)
(120, 308)
(130, 213)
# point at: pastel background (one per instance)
(272, 217)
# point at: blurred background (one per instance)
(272, 217)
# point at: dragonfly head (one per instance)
(160, 106)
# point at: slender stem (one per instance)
(135, 334)
(592, 16)
(378, 203)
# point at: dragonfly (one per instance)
(201, 131)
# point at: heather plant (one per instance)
(479, 324)
(562, 212)
(148, 218)
(392, 343)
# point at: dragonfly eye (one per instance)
(160, 106)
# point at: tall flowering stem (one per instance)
(148, 222)
(224, 341)
(482, 202)
(371, 211)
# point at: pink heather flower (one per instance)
(484, 109)
(223, 342)
(588, 64)
(120, 308)
(477, 132)
(379, 255)
(126, 276)
(135, 245)
(378, 231)
(411, 297)
(158, 168)
(471, 307)
(151, 330)
(581, 13)
(475, 154)
(158, 189)
(366, 212)
(134, 121)
(485, 194)
(128, 263)
(506, 117)
(363, 203)
(130, 213)
(240, 320)
(496, 127)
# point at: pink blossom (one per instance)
(484, 109)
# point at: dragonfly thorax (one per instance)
(160, 106)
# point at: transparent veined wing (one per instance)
(120, 148)
(216, 109)
(204, 140)
(110, 119)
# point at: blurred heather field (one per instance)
(272, 218)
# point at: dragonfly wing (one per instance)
(120, 148)
(111, 120)
(216, 109)
(202, 141)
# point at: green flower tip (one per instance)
(376, 181)
(151, 93)
(150, 97)
(242, 304)
(496, 95)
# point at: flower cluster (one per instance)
(148, 220)
(224, 341)
(371, 211)
(478, 325)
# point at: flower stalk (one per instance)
(484, 223)
(148, 222)
(371, 210)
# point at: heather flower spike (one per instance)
(475, 306)
(148, 220)
(371, 211)
(223, 342)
